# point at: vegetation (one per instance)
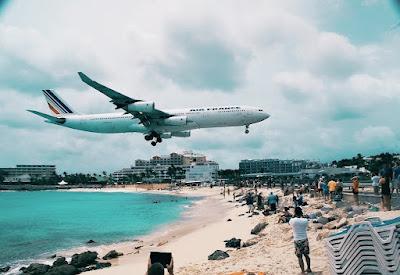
(230, 175)
(372, 163)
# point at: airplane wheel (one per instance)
(159, 139)
(148, 137)
(153, 143)
(246, 131)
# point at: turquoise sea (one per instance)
(34, 225)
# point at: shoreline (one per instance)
(187, 221)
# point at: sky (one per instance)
(327, 72)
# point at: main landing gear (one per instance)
(156, 138)
(247, 129)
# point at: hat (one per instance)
(355, 178)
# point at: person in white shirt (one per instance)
(299, 226)
(375, 183)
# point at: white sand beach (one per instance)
(204, 229)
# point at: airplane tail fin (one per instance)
(56, 104)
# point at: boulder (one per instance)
(4, 269)
(330, 225)
(229, 220)
(103, 265)
(53, 256)
(318, 226)
(250, 242)
(218, 255)
(332, 218)
(90, 241)
(326, 209)
(60, 261)
(63, 270)
(318, 214)
(348, 209)
(258, 228)
(350, 215)
(322, 220)
(322, 235)
(84, 259)
(234, 243)
(36, 269)
(342, 222)
(112, 255)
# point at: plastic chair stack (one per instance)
(370, 247)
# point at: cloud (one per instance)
(328, 96)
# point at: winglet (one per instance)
(84, 77)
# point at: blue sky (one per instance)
(327, 72)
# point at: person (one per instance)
(300, 199)
(250, 201)
(260, 201)
(285, 217)
(396, 177)
(299, 226)
(320, 181)
(339, 188)
(375, 183)
(325, 190)
(272, 201)
(158, 268)
(332, 188)
(355, 186)
(387, 175)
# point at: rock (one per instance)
(250, 242)
(318, 226)
(63, 270)
(103, 265)
(318, 206)
(256, 213)
(318, 214)
(350, 215)
(258, 228)
(322, 220)
(84, 259)
(348, 209)
(138, 247)
(332, 218)
(326, 209)
(60, 261)
(342, 222)
(229, 220)
(322, 235)
(36, 269)
(53, 256)
(241, 215)
(234, 243)
(90, 241)
(112, 255)
(330, 225)
(4, 269)
(218, 255)
(162, 243)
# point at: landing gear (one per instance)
(247, 129)
(154, 137)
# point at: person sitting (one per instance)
(300, 199)
(285, 217)
(158, 268)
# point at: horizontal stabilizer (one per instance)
(49, 118)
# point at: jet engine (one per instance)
(181, 134)
(141, 106)
(166, 135)
(175, 121)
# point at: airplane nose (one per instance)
(265, 115)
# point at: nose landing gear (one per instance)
(247, 129)
(155, 137)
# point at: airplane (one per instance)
(143, 117)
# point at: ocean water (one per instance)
(37, 224)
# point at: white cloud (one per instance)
(324, 92)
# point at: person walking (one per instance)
(332, 188)
(387, 175)
(299, 226)
(375, 183)
(396, 177)
(355, 186)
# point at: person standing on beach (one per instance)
(250, 202)
(273, 201)
(387, 174)
(299, 226)
(332, 188)
(396, 177)
(375, 183)
(355, 186)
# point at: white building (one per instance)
(202, 172)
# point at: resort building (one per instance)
(25, 173)
(170, 167)
(274, 166)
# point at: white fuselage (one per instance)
(196, 118)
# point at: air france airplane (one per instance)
(143, 117)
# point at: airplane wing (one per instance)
(122, 101)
